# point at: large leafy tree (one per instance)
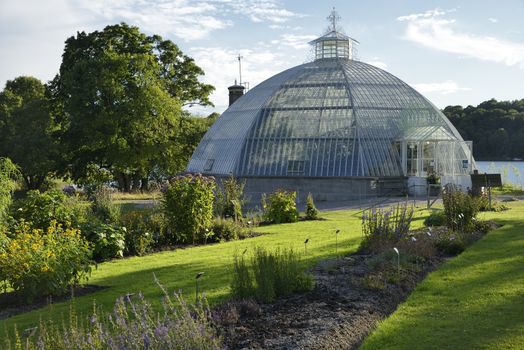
(119, 94)
(27, 130)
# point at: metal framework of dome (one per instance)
(333, 117)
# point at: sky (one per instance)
(453, 52)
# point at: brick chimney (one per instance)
(235, 92)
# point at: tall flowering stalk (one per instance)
(386, 225)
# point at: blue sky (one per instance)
(454, 52)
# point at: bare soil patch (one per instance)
(337, 314)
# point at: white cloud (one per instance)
(188, 19)
(185, 19)
(263, 10)
(445, 88)
(493, 20)
(295, 41)
(430, 29)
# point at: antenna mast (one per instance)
(240, 68)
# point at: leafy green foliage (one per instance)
(230, 199)
(141, 232)
(27, 130)
(120, 94)
(460, 209)
(8, 175)
(383, 227)
(274, 274)
(95, 179)
(281, 207)
(311, 210)
(39, 263)
(103, 206)
(451, 243)
(107, 241)
(39, 209)
(228, 230)
(495, 127)
(188, 207)
(436, 218)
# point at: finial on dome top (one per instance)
(333, 18)
(334, 44)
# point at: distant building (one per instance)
(336, 127)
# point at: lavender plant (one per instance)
(382, 227)
(272, 275)
(132, 325)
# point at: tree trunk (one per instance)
(124, 183)
(136, 182)
(145, 184)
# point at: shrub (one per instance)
(41, 208)
(436, 218)
(133, 325)
(280, 207)
(227, 230)
(311, 210)
(39, 263)
(107, 241)
(103, 206)
(188, 207)
(460, 209)
(383, 227)
(230, 199)
(242, 283)
(483, 204)
(141, 231)
(450, 243)
(274, 274)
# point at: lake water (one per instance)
(511, 172)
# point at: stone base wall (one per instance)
(326, 189)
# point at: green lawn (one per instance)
(475, 301)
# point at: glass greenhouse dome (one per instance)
(333, 118)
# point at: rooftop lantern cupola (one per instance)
(334, 44)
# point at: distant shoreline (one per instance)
(499, 160)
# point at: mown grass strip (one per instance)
(474, 301)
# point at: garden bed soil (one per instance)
(337, 314)
(13, 303)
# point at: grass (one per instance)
(474, 301)
(508, 190)
(133, 196)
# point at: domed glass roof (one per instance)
(331, 117)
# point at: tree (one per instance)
(119, 94)
(27, 130)
(495, 127)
